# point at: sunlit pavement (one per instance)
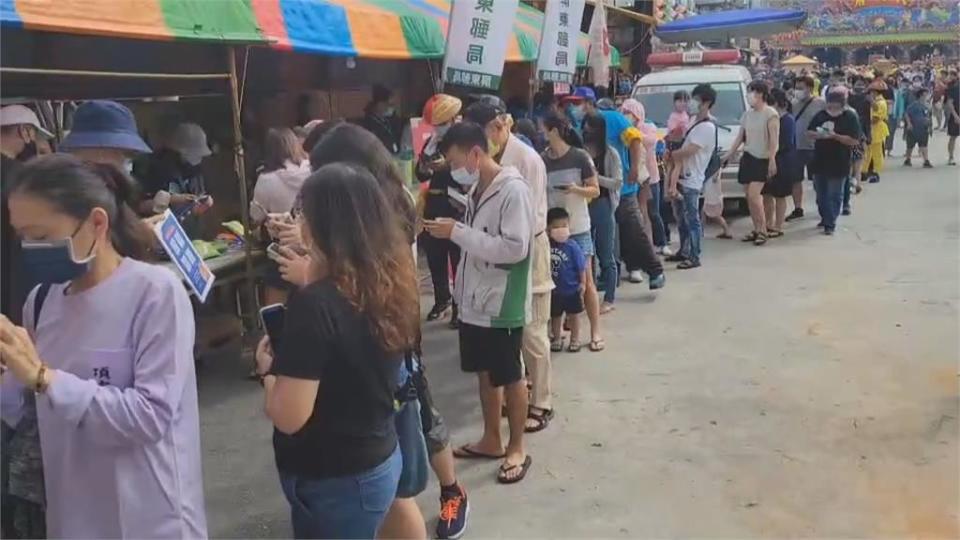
(808, 387)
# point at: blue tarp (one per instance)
(723, 25)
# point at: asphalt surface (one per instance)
(805, 388)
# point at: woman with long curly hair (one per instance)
(330, 382)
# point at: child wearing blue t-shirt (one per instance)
(569, 269)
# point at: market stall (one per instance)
(72, 61)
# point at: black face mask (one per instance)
(29, 151)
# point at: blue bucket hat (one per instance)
(104, 124)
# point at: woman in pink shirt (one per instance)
(108, 357)
(637, 114)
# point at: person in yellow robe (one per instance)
(879, 131)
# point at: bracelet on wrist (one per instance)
(41, 383)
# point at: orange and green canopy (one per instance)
(385, 29)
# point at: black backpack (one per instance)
(715, 163)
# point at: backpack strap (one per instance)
(42, 290)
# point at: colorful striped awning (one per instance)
(384, 29)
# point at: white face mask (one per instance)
(560, 234)
(464, 177)
(694, 106)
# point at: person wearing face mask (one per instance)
(837, 132)
(759, 135)
(106, 355)
(806, 106)
(440, 111)
(509, 151)
(603, 225)
(573, 183)
(636, 113)
(176, 168)
(20, 130)
(493, 290)
(380, 118)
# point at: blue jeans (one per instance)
(830, 198)
(847, 184)
(345, 506)
(688, 223)
(653, 210)
(603, 226)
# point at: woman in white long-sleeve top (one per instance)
(109, 356)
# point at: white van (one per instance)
(655, 91)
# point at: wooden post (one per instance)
(239, 170)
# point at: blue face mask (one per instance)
(54, 261)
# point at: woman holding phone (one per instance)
(285, 168)
(107, 354)
(329, 389)
(572, 183)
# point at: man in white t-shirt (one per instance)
(693, 158)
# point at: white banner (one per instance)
(557, 60)
(477, 42)
(599, 57)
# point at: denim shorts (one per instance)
(585, 241)
(342, 507)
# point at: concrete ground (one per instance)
(805, 388)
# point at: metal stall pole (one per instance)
(247, 320)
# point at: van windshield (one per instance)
(658, 102)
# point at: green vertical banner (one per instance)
(477, 42)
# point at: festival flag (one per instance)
(557, 60)
(477, 42)
(599, 56)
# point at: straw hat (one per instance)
(440, 109)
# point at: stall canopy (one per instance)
(383, 29)
(724, 25)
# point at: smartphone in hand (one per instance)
(273, 318)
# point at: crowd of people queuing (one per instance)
(535, 222)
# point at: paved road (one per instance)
(805, 388)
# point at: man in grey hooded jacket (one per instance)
(493, 289)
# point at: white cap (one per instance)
(18, 115)
(191, 141)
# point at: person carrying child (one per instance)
(569, 269)
(677, 125)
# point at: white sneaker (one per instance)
(665, 251)
(635, 277)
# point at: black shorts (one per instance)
(493, 350)
(752, 169)
(571, 304)
(953, 128)
(919, 139)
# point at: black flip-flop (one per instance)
(465, 452)
(524, 467)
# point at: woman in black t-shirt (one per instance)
(330, 384)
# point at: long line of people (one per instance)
(533, 238)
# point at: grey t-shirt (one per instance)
(804, 111)
(572, 168)
(754, 123)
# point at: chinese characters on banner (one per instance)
(557, 60)
(599, 56)
(477, 42)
